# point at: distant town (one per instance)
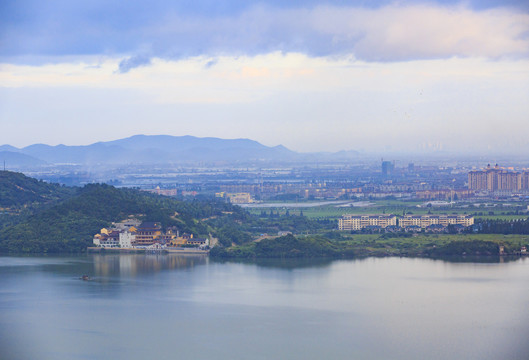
(342, 182)
(243, 171)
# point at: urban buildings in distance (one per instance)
(498, 179)
(236, 198)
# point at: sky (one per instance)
(373, 76)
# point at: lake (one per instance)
(191, 307)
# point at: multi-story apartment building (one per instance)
(236, 198)
(444, 194)
(525, 180)
(477, 180)
(359, 222)
(239, 198)
(495, 178)
(509, 181)
(424, 221)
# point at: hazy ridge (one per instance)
(157, 149)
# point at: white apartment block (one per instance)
(424, 221)
(359, 222)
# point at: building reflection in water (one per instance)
(135, 264)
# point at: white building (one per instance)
(358, 222)
(126, 239)
(107, 239)
(114, 238)
(426, 220)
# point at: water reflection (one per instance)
(132, 265)
(480, 259)
(287, 264)
(294, 263)
(189, 307)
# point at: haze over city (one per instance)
(310, 75)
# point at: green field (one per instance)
(395, 207)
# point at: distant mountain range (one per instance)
(156, 149)
(18, 158)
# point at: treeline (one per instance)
(288, 246)
(458, 248)
(319, 247)
(241, 226)
(490, 226)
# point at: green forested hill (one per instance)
(70, 225)
(54, 218)
(17, 190)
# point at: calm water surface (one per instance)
(176, 307)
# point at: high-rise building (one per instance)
(477, 180)
(387, 168)
(525, 180)
(495, 178)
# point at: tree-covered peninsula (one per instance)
(288, 246)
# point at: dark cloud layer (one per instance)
(170, 29)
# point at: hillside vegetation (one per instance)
(18, 190)
(64, 219)
(336, 245)
(70, 225)
(288, 246)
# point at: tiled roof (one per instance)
(149, 225)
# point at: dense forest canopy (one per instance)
(17, 190)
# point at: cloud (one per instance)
(385, 32)
(211, 63)
(306, 103)
(422, 32)
(132, 62)
(390, 33)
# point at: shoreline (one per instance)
(186, 251)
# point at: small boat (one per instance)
(85, 278)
